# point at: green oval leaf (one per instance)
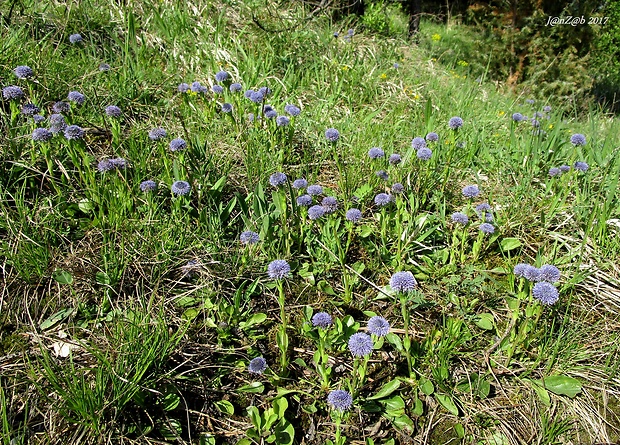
(508, 244)
(447, 402)
(386, 389)
(62, 276)
(171, 401)
(57, 317)
(562, 385)
(484, 321)
(254, 387)
(225, 407)
(426, 386)
(254, 320)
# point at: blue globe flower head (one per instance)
(177, 144)
(292, 110)
(564, 168)
(517, 117)
(119, 162)
(554, 171)
(157, 134)
(382, 174)
(535, 122)
(257, 97)
(403, 282)
(549, 273)
(148, 186)
(471, 191)
(332, 135)
(12, 92)
(520, 269)
(248, 94)
(315, 190)
(395, 65)
(350, 32)
(432, 137)
(76, 97)
(75, 38)
(74, 132)
(395, 159)
(546, 293)
(198, 88)
(398, 188)
(278, 269)
(383, 199)
(282, 121)
(183, 87)
(41, 135)
(418, 143)
(104, 166)
(578, 139)
(482, 207)
(376, 153)
(113, 111)
(424, 154)
(249, 237)
(321, 320)
(235, 87)
(265, 91)
(378, 326)
(300, 183)
(360, 344)
(354, 215)
(336, 34)
(489, 217)
(330, 204)
(581, 166)
(37, 118)
(180, 188)
(217, 89)
(530, 101)
(57, 120)
(61, 107)
(455, 123)
(340, 400)
(58, 123)
(304, 200)
(487, 228)
(538, 115)
(531, 273)
(221, 76)
(103, 67)
(315, 212)
(459, 218)
(30, 109)
(547, 109)
(277, 179)
(23, 72)
(257, 365)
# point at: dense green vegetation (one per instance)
(138, 312)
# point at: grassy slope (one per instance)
(123, 251)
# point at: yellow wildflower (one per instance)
(436, 37)
(383, 76)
